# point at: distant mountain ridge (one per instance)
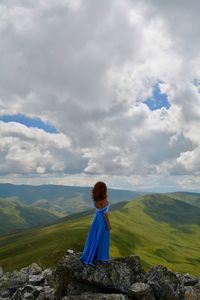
(188, 197)
(60, 199)
(26, 206)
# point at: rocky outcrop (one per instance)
(29, 283)
(120, 278)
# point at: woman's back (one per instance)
(98, 239)
(101, 203)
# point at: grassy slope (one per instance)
(188, 197)
(135, 230)
(15, 216)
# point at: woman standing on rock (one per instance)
(98, 239)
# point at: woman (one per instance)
(98, 239)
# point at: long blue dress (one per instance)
(98, 239)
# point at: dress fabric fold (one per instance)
(98, 238)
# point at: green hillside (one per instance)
(188, 197)
(156, 227)
(15, 216)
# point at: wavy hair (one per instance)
(99, 191)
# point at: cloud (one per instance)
(28, 151)
(87, 68)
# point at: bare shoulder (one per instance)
(101, 203)
(106, 215)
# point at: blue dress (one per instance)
(98, 239)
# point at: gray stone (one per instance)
(5, 292)
(191, 293)
(48, 275)
(48, 293)
(28, 296)
(70, 251)
(26, 291)
(34, 269)
(189, 279)
(166, 284)
(36, 279)
(11, 281)
(34, 290)
(77, 288)
(96, 296)
(1, 271)
(17, 295)
(115, 275)
(140, 290)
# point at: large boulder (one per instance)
(113, 276)
(165, 283)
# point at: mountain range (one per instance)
(26, 206)
(157, 227)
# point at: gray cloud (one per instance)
(87, 67)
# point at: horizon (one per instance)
(112, 188)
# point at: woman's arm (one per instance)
(107, 220)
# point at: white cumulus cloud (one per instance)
(87, 67)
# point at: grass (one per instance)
(156, 238)
(188, 197)
(15, 216)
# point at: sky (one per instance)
(100, 90)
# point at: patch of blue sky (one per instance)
(29, 122)
(158, 99)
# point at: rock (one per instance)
(23, 284)
(48, 293)
(28, 296)
(140, 290)
(26, 291)
(16, 296)
(115, 275)
(77, 288)
(96, 296)
(189, 279)
(191, 293)
(166, 284)
(34, 292)
(10, 282)
(69, 251)
(1, 271)
(34, 269)
(120, 278)
(48, 275)
(36, 279)
(4, 293)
